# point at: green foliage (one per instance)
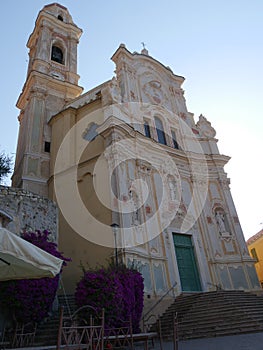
(5, 165)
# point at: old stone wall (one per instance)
(21, 211)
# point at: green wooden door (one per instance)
(186, 262)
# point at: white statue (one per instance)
(111, 93)
(136, 220)
(220, 219)
(172, 188)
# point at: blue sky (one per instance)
(216, 45)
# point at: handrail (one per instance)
(65, 297)
(158, 301)
(217, 286)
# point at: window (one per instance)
(60, 18)
(175, 144)
(160, 131)
(147, 129)
(254, 254)
(47, 147)
(57, 54)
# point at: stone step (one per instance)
(220, 323)
(199, 314)
(204, 327)
(222, 311)
(214, 302)
(214, 313)
(47, 332)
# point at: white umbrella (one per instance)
(20, 259)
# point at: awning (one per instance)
(20, 259)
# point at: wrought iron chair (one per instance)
(83, 330)
(119, 337)
(24, 334)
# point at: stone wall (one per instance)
(21, 211)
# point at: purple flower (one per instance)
(118, 291)
(32, 299)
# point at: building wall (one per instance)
(157, 204)
(72, 157)
(25, 211)
(256, 251)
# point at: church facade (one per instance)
(134, 176)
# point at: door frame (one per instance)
(171, 231)
(193, 281)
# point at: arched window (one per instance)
(57, 54)
(175, 144)
(147, 129)
(160, 131)
(60, 18)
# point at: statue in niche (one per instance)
(221, 223)
(172, 188)
(135, 214)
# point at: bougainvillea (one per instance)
(118, 291)
(32, 299)
(132, 284)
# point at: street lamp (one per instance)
(115, 229)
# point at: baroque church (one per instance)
(136, 180)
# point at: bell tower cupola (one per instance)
(51, 82)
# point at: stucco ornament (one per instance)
(205, 128)
(153, 89)
(111, 93)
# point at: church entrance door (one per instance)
(186, 262)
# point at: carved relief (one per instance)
(225, 182)
(172, 188)
(144, 168)
(205, 128)
(180, 216)
(111, 93)
(229, 246)
(153, 90)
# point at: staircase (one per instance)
(200, 315)
(214, 314)
(47, 332)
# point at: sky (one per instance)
(216, 45)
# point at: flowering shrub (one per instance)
(132, 290)
(118, 291)
(32, 299)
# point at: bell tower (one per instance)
(51, 82)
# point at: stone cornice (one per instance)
(122, 50)
(47, 81)
(218, 159)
